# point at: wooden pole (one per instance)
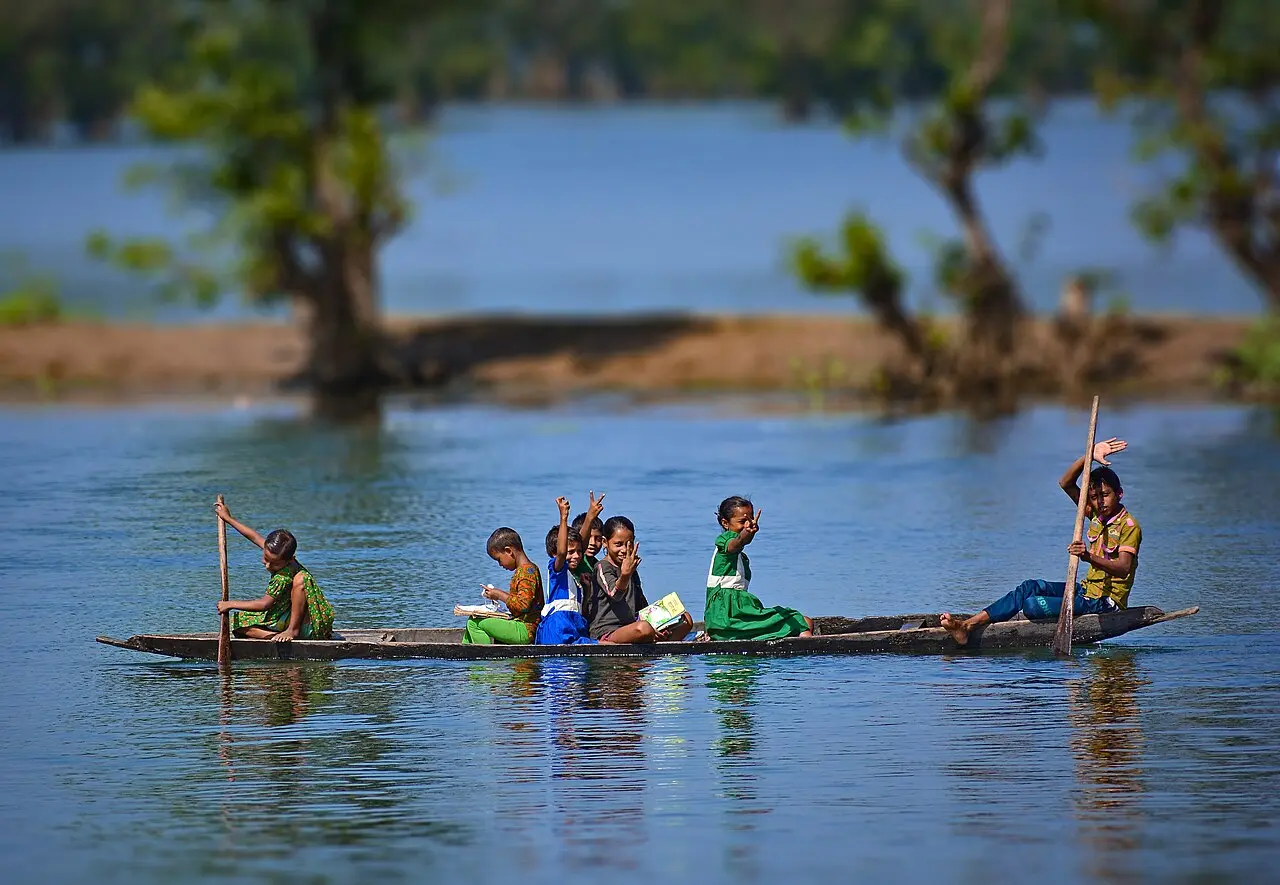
(224, 629)
(1062, 636)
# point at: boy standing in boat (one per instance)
(1111, 553)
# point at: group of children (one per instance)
(598, 599)
(593, 598)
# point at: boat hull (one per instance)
(837, 636)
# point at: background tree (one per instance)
(948, 142)
(1202, 78)
(280, 100)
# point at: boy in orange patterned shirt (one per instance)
(523, 599)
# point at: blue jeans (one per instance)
(1043, 599)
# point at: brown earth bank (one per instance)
(543, 359)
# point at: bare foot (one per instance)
(958, 629)
(806, 634)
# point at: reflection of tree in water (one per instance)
(1107, 741)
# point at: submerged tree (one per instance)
(948, 143)
(1203, 80)
(279, 100)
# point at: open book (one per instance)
(483, 610)
(663, 613)
(490, 608)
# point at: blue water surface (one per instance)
(1151, 758)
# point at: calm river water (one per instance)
(1154, 758)
(548, 210)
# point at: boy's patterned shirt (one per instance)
(1121, 534)
(524, 598)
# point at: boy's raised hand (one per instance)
(563, 503)
(1108, 447)
(597, 504)
(221, 509)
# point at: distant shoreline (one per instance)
(782, 360)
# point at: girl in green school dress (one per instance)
(732, 612)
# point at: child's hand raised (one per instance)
(1108, 447)
(751, 527)
(630, 559)
(221, 509)
(597, 504)
(563, 503)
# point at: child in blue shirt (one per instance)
(562, 622)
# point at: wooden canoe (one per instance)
(836, 636)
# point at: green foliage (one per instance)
(863, 264)
(31, 303)
(82, 60)
(290, 162)
(1258, 357)
(819, 381)
(1199, 81)
(33, 297)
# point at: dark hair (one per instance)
(1105, 475)
(281, 544)
(503, 538)
(730, 504)
(578, 520)
(553, 539)
(613, 523)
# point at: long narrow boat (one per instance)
(919, 634)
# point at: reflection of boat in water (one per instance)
(837, 636)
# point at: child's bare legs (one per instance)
(255, 633)
(804, 634)
(958, 629)
(297, 599)
(677, 631)
(298, 603)
(639, 632)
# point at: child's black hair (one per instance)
(578, 520)
(1105, 475)
(613, 523)
(281, 544)
(730, 504)
(503, 538)
(553, 539)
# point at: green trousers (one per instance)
(487, 631)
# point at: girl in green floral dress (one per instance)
(293, 606)
(732, 612)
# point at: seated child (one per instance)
(589, 529)
(732, 612)
(293, 606)
(617, 596)
(1112, 554)
(523, 599)
(562, 622)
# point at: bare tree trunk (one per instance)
(347, 361)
